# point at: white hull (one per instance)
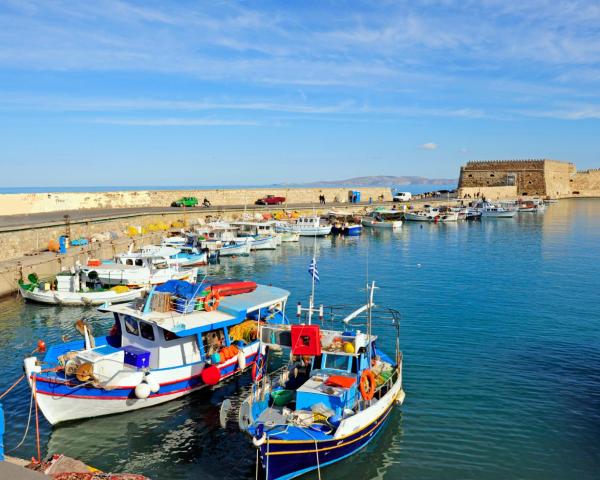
(415, 217)
(263, 243)
(59, 409)
(112, 274)
(389, 225)
(53, 297)
(495, 214)
(230, 250)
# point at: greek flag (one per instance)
(312, 269)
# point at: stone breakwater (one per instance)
(29, 203)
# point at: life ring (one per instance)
(211, 301)
(257, 368)
(367, 385)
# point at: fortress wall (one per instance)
(586, 183)
(27, 203)
(490, 193)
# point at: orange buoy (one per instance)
(211, 301)
(367, 385)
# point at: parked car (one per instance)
(185, 202)
(402, 197)
(270, 200)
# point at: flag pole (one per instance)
(312, 293)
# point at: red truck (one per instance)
(270, 200)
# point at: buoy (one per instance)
(348, 347)
(142, 391)
(151, 380)
(211, 375)
(241, 358)
(41, 346)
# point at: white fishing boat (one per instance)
(383, 219)
(262, 235)
(229, 249)
(69, 289)
(140, 270)
(305, 226)
(489, 210)
(181, 338)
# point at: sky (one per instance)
(256, 92)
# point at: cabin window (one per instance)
(129, 261)
(170, 335)
(131, 325)
(337, 362)
(147, 331)
(213, 341)
(139, 262)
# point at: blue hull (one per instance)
(353, 231)
(287, 460)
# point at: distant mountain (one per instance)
(377, 181)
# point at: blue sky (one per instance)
(157, 93)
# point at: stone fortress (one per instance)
(504, 179)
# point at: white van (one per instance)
(402, 196)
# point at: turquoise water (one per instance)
(501, 341)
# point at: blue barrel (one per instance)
(62, 244)
(1, 434)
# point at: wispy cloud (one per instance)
(177, 122)
(429, 146)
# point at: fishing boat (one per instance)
(305, 226)
(182, 256)
(531, 206)
(138, 270)
(383, 219)
(260, 235)
(229, 249)
(344, 224)
(73, 288)
(332, 398)
(180, 338)
(489, 210)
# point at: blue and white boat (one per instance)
(344, 224)
(181, 338)
(334, 396)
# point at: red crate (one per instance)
(306, 340)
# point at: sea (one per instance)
(500, 333)
(413, 188)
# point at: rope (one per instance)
(12, 386)
(318, 463)
(256, 473)
(28, 422)
(37, 423)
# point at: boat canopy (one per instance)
(231, 311)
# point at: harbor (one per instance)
(422, 434)
(299, 240)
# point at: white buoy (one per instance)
(142, 391)
(151, 380)
(241, 360)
